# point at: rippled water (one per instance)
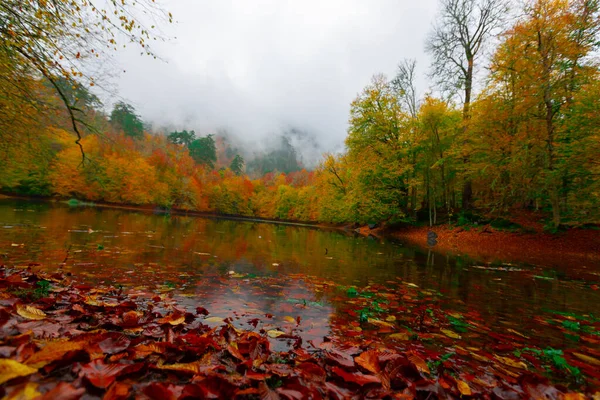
(195, 258)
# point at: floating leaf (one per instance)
(289, 319)
(10, 369)
(274, 333)
(216, 320)
(30, 312)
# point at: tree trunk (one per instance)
(467, 194)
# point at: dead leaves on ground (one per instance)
(111, 345)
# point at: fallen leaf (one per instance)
(217, 320)
(356, 377)
(274, 333)
(419, 363)
(27, 391)
(30, 312)
(10, 369)
(450, 334)
(511, 363)
(289, 319)
(463, 388)
(587, 359)
(369, 361)
(399, 336)
(53, 352)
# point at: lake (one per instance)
(240, 269)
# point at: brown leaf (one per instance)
(355, 377)
(369, 360)
(100, 374)
(53, 352)
(419, 363)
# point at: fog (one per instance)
(257, 68)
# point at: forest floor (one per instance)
(576, 246)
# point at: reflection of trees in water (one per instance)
(160, 248)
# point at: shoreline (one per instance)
(575, 247)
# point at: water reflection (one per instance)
(137, 249)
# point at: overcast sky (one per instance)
(256, 66)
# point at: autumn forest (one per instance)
(105, 304)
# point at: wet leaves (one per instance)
(10, 369)
(378, 342)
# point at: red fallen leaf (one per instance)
(201, 311)
(100, 374)
(163, 391)
(336, 392)
(340, 358)
(235, 352)
(113, 345)
(117, 391)
(266, 393)
(256, 376)
(311, 372)
(369, 360)
(280, 369)
(355, 377)
(63, 391)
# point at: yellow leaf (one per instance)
(193, 367)
(379, 322)
(217, 320)
(10, 369)
(450, 334)
(574, 396)
(391, 318)
(52, 352)
(289, 319)
(25, 392)
(463, 388)
(399, 336)
(274, 333)
(587, 359)
(30, 312)
(511, 363)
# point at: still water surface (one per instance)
(187, 255)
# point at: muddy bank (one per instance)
(575, 247)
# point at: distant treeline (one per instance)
(529, 139)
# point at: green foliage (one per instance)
(204, 151)
(237, 165)
(183, 138)
(123, 117)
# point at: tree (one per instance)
(456, 43)
(204, 151)
(53, 39)
(237, 165)
(123, 117)
(183, 138)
